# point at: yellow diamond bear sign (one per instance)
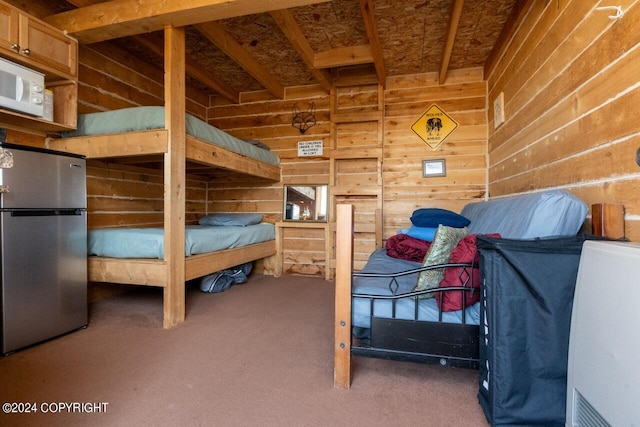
(434, 126)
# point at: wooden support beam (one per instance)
(174, 176)
(292, 31)
(119, 18)
(216, 33)
(368, 13)
(343, 56)
(454, 20)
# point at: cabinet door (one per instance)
(48, 46)
(8, 28)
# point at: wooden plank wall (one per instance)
(570, 84)
(119, 194)
(462, 97)
(126, 196)
(404, 189)
(356, 159)
(110, 78)
(261, 117)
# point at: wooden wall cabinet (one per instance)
(39, 46)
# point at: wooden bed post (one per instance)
(344, 268)
(174, 176)
(607, 219)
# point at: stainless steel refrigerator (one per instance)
(43, 245)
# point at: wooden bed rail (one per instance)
(344, 269)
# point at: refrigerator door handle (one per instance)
(47, 212)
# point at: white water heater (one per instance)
(603, 377)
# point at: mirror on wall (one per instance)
(306, 203)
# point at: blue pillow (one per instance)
(433, 217)
(237, 219)
(422, 233)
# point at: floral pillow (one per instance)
(445, 240)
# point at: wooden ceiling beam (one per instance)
(119, 18)
(343, 56)
(368, 14)
(193, 69)
(454, 20)
(292, 31)
(216, 33)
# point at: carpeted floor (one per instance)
(259, 354)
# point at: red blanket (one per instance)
(465, 251)
(406, 247)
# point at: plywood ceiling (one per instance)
(414, 36)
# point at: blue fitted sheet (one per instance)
(380, 262)
(149, 242)
(148, 118)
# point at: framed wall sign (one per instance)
(431, 168)
(309, 148)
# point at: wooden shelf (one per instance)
(24, 122)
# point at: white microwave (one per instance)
(21, 89)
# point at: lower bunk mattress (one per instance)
(379, 262)
(199, 239)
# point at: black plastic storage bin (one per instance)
(525, 319)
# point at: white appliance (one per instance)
(21, 89)
(603, 379)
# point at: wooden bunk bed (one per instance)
(176, 149)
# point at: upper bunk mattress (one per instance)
(149, 118)
(199, 239)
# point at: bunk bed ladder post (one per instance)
(174, 177)
(344, 269)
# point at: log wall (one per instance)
(119, 194)
(570, 82)
(386, 155)
(463, 98)
(261, 117)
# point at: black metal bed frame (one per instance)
(447, 344)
